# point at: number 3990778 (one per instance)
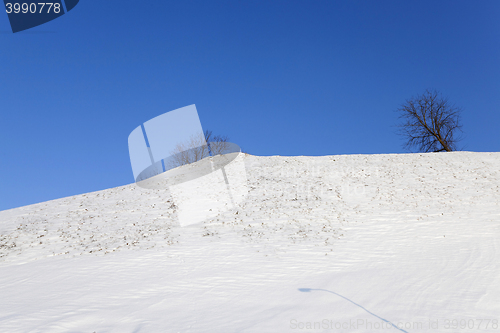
(43, 7)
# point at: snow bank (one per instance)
(336, 243)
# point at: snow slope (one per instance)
(352, 243)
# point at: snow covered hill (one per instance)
(351, 243)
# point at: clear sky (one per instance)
(277, 77)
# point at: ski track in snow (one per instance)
(410, 240)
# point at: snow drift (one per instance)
(351, 243)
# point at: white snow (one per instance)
(352, 243)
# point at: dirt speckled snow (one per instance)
(351, 243)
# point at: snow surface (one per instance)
(352, 243)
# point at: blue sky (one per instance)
(277, 77)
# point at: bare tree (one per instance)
(430, 123)
(197, 148)
(194, 149)
(218, 144)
